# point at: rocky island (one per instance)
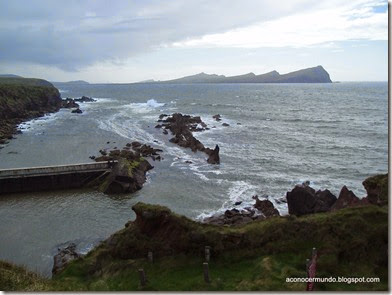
(310, 75)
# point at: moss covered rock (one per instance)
(377, 189)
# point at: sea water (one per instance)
(279, 135)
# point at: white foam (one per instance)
(125, 128)
(39, 122)
(104, 99)
(239, 191)
(144, 107)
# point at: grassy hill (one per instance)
(259, 256)
(23, 99)
(24, 81)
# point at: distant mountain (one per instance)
(10, 76)
(310, 75)
(77, 82)
(147, 81)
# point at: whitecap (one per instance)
(144, 107)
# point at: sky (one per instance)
(128, 41)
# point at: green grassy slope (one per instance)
(25, 81)
(22, 99)
(258, 256)
(351, 242)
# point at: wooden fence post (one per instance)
(206, 272)
(150, 256)
(207, 252)
(142, 277)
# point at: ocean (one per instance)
(279, 135)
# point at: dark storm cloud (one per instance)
(74, 34)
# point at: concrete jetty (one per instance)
(51, 177)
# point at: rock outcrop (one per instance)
(64, 257)
(69, 103)
(77, 111)
(214, 156)
(303, 199)
(182, 126)
(377, 189)
(348, 199)
(128, 174)
(24, 99)
(261, 210)
(85, 99)
(265, 207)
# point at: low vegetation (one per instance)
(22, 99)
(351, 242)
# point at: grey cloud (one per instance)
(74, 34)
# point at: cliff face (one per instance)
(24, 99)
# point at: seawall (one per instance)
(50, 177)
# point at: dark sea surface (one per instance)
(279, 135)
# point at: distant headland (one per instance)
(310, 75)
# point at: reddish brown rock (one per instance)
(266, 207)
(346, 199)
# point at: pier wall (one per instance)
(50, 177)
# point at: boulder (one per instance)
(225, 125)
(301, 200)
(324, 201)
(266, 207)
(63, 257)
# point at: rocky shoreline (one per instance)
(25, 99)
(20, 102)
(304, 200)
(72, 103)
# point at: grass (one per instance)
(25, 81)
(20, 102)
(259, 256)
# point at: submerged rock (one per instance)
(217, 117)
(77, 111)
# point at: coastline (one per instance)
(209, 144)
(23, 101)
